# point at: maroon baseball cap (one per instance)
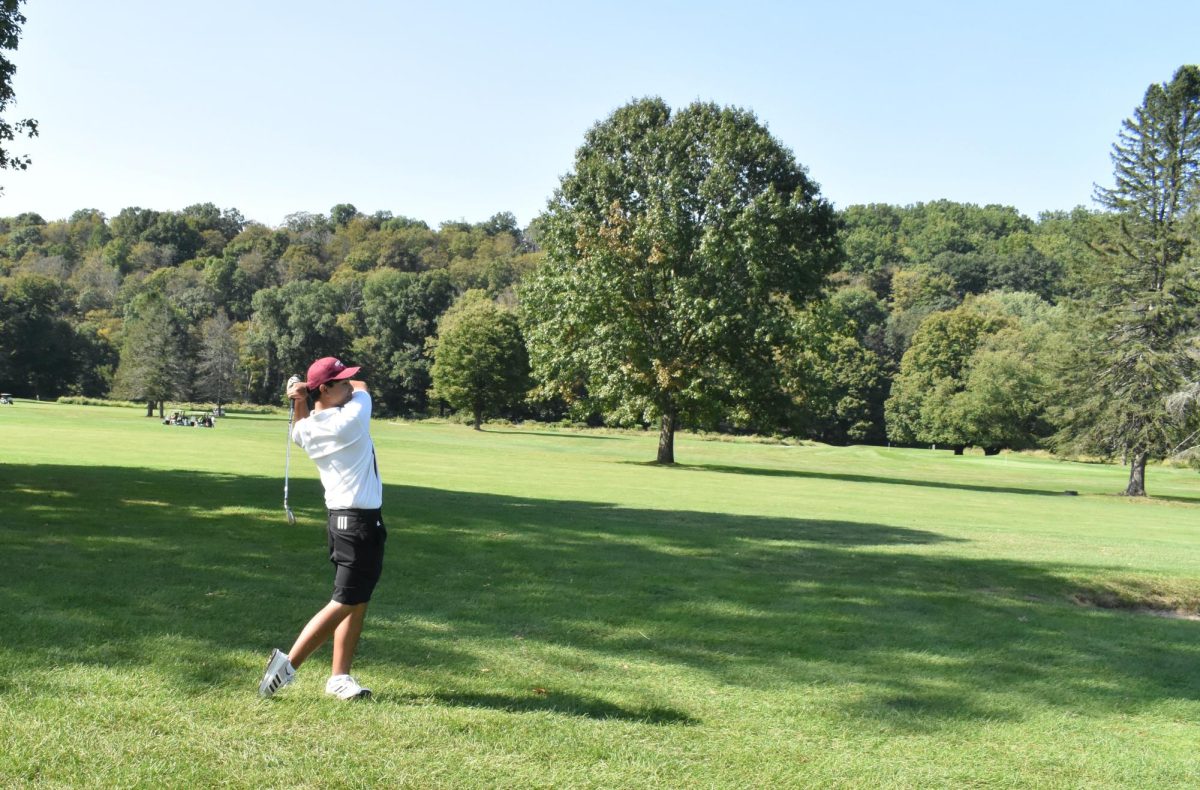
(327, 369)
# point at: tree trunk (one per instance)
(666, 437)
(161, 409)
(1137, 475)
(478, 412)
(149, 408)
(958, 449)
(991, 451)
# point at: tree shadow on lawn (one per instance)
(189, 573)
(849, 478)
(1194, 501)
(552, 434)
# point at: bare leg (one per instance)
(319, 628)
(345, 639)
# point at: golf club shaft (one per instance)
(287, 453)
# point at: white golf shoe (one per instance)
(346, 687)
(280, 672)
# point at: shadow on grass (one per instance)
(557, 702)
(189, 572)
(554, 434)
(1152, 497)
(810, 475)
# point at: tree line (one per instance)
(202, 304)
(686, 273)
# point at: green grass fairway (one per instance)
(556, 612)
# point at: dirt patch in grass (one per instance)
(1159, 597)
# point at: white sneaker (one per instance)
(280, 672)
(346, 687)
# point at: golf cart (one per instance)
(190, 419)
(6, 399)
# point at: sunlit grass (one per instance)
(557, 612)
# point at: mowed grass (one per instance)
(556, 612)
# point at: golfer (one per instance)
(336, 435)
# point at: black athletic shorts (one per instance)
(356, 539)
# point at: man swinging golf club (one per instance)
(336, 436)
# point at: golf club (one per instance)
(287, 462)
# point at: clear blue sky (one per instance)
(461, 110)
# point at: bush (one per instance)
(229, 408)
(79, 400)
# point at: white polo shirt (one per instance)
(339, 441)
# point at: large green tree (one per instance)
(37, 336)
(834, 382)
(673, 250)
(932, 373)
(1004, 392)
(1141, 314)
(400, 310)
(480, 363)
(293, 325)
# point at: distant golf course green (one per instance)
(557, 612)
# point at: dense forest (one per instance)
(201, 304)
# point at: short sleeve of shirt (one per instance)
(359, 409)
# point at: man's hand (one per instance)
(359, 386)
(298, 392)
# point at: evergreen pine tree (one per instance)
(217, 372)
(1142, 309)
(152, 367)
